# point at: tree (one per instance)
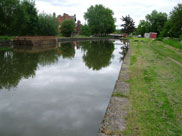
(85, 30)
(128, 26)
(143, 27)
(100, 20)
(26, 19)
(156, 20)
(173, 27)
(67, 27)
(7, 14)
(48, 25)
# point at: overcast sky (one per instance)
(137, 9)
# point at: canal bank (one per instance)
(114, 122)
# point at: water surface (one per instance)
(63, 92)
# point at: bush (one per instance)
(48, 25)
(67, 27)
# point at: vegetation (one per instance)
(48, 25)
(6, 37)
(173, 27)
(67, 27)
(155, 90)
(128, 26)
(20, 17)
(154, 23)
(100, 20)
(85, 30)
(173, 42)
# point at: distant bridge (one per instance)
(118, 36)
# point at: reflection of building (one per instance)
(67, 17)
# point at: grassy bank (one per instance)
(173, 42)
(155, 90)
(6, 37)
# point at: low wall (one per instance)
(34, 44)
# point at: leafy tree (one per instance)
(48, 25)
(85, 30)
(67, 27)
(7, 15)
(100, 20)
(143, 27)
(129, 24)
(156, 20)
(26, 19)
(173, 27)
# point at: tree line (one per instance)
(165, 25)
(20, 17)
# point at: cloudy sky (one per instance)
(137, 9)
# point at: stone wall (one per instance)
(34, 44)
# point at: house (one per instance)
(67, 17)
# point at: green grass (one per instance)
(173, 42)
(6, 37)
(155, 91)
(119, 94)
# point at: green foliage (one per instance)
(67, 27)
(154, 23)
(26, 19)
(173, 27)
(100, 20)
(20, 17)
(85, 30)
(128, 26)
(7, 15)
(48, 25)
(143, 27)
(156, 20)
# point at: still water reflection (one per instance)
(62, 92)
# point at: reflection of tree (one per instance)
(15, 66)
(97, 54)
(48, 57)
(67, 50)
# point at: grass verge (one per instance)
(174, 43)
(155, 91)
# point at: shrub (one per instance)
(67, 27)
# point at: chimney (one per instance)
(54, 14)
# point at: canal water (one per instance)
(62, 92)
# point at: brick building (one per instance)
(66, 17)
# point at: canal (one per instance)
(61, 92)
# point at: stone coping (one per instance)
(114, 122)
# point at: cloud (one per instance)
(137, 9)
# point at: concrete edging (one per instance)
(114, 122)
